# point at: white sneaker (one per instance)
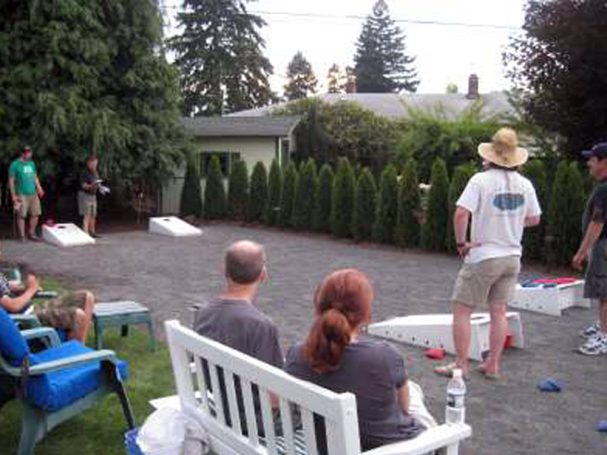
(596, 345)
(591, 331)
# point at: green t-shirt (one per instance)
(24, 173)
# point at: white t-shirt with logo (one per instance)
(499, 201)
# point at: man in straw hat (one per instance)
(501, 203)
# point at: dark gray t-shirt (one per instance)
(372, 371)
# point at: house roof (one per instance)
(245, 126)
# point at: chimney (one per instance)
(473, 87)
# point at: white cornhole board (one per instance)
(173, 227)
(65, 235)
(552, 300)
(436, 331)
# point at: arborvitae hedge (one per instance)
(365, 198)
(323, 199)
(272, 206)
(303, 199)
(461, 175)
(434, 230)
(258, 194)
(407, 231)
(214, 192)
(533, 238)
(191, 194)
(286, 195)
(343, 199)
(238, 190)
(387, 206)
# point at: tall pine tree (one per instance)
(336, 79)
(220, 55)
(382, 63)
(301, 80)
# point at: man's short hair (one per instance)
(244, 262)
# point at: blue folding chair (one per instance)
(58, 383)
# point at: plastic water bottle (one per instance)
(456, 393)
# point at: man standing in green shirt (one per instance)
(26, 191)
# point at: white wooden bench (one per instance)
(337, 410)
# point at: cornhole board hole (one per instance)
(550, 300)
(436, 331)
(173, 227)
(66, 235)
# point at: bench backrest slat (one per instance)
(250, 411)
(307, 420)
(268, 420)
(232, 404)
(287, 426)
(202, 384)
(221, 415)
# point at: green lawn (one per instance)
(100, 429)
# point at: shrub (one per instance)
(238, 190)
(407, 231)
(191, 194)
(461, 175)
(324, 190)
(343, 199)
(303, 198)
(434, 230)
(365, 197)
(387, 206)
(273, 202)
(533, 238)
(258, 194)
(214, 192)
(286, 195)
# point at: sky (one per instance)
(444, 53)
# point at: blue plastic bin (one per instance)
(130, 441)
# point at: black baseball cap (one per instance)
(598, 150)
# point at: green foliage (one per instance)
(343, 199)
(301, 79)
(214, 192)
(461, 175)
(273, 203)
(323, 199)
(287, 194)
(382, 64)
(191, 194)
(258, 194)
(339, 81)
(533, 238)
(304, 197)
(407, 231)
(434, 230)
(564, 214)
(365, 198)
(238, 190)
(387, 206)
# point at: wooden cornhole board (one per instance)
(66, 235)
(436, 331)
(172, 227)
(551, 300)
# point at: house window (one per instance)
(226, 159)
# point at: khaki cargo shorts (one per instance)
(87, 204)
(491, 280)
(60, 313)
(30, 206)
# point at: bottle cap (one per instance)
(457, 373)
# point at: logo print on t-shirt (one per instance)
(508, 201)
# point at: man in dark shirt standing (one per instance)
(594, 250)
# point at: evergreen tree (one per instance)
(407, 231)
(273, 202)
(214, 192)
(301, 79)
(303, 199)
(238, 190)
(191, 194)
(434, 230)
(382, 64)
(365, 198)
(387, 206)
(287, 194)
(461, 175)
(220, 55)
(336, 79)
(350, 86)
(323, 199)
(258, 195)
(533, 238)
(343, 199)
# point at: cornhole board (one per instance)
(173, 227)
(66, 235)
(551, 300)
(436, 331)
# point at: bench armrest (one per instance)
(29, 319)
(54, 365)
(428, 441)
(42, 332)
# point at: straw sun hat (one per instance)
(503, 149)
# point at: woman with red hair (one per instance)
(337, 357)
